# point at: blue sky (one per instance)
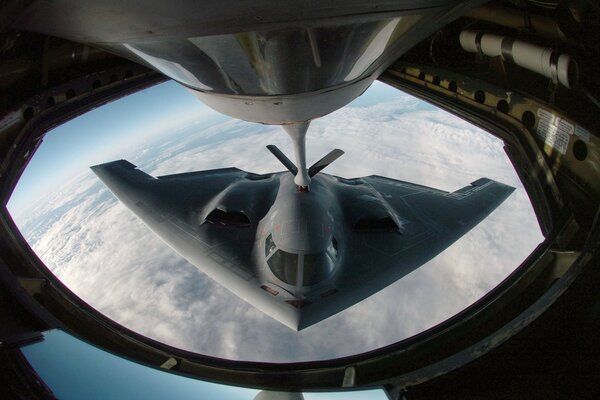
(74, 369)
(71, 148)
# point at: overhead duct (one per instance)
(519, 20)
(542, 60)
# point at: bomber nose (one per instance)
(302, 236)
(302, 223)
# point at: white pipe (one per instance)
(544, 61)
(297, 133)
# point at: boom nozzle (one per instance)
(302, 174)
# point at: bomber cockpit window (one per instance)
(332, 249)
(319, 266)
(285, 266)
(269, 245)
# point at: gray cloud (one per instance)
(112, 261)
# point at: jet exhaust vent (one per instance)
(256, 177)
(386, 224)
(352, 182)
(227, 218)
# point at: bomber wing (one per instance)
(393, 228)
(208, 217)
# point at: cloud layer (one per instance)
(112, 261)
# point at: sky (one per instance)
(74, 369)
(93, 137)
(102, 252)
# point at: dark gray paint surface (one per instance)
(349, 238)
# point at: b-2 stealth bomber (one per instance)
(301, 246)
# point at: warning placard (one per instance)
(554, 130)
